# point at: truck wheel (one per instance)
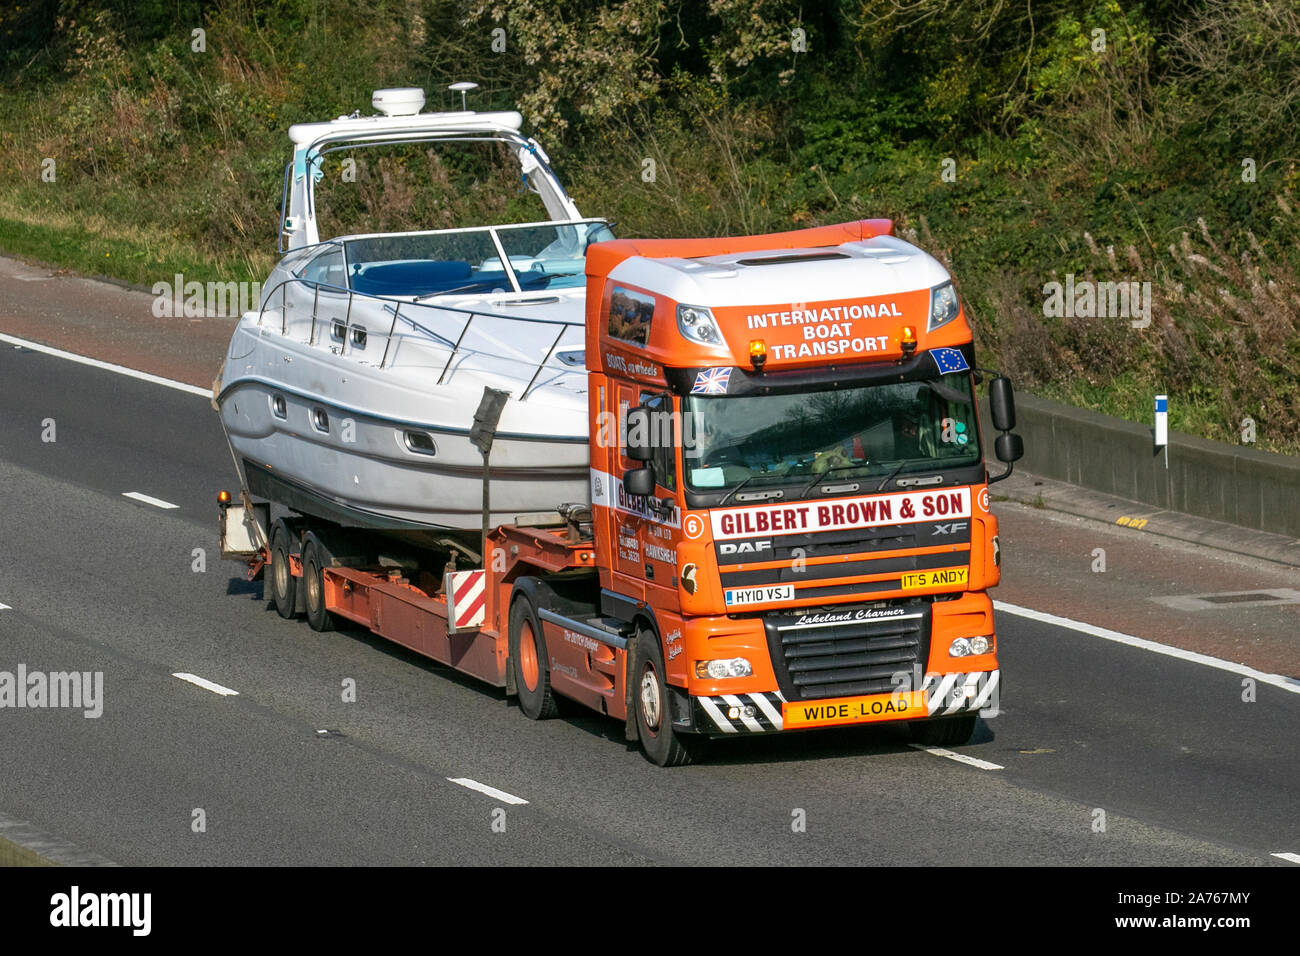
(943, 731)
(313, 580)
(530, 663)
(659, 742)
(281, 586)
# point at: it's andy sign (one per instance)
(845, 513)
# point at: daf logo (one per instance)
(744, 547)
(951, 528)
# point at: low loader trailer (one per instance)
(788, 525)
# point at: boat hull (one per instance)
(334, 439)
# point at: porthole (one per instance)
(320, 419)
(420, 443)
(278, 408)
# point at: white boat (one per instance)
(350, 392)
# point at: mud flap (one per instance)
(679, 711)
(629, 692)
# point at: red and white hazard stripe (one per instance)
(466, 599)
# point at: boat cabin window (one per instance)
(541, 256)
(327, 269)
(551, 257)
(428, 264)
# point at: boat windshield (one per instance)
(541, 256)
(875, 433)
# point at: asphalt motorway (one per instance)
(1106, 753)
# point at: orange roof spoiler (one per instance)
(604, 256)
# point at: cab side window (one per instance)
(664, 430)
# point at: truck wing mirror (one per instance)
(1002, 409)
(1002, 404)
(639, 445)
(639, 481)
(1009, 448)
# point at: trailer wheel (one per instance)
(660, 743)
(529, 660)
(942, 731)
(313, 580)
(281, 586)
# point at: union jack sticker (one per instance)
(711, 381)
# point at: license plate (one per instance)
(854, 710)
(760, 595)
(930, 579)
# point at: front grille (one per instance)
(861, 552)
(847, 652)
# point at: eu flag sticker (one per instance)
(949, 360)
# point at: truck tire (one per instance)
(281, 586)
(313, 580)
(530, 663)
(659, 742)
(943, 731)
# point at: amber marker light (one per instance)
(757, 353)
(223, 498)
(908, 339)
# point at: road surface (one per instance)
(1105, 753)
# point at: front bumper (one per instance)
(945, 695)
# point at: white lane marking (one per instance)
(156, 502)
(490, 791)
(5, 607)
(960, 758)
(207, 685)
(1276, 680)
(107, 366)
(1289, 857)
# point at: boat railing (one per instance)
(417, 320)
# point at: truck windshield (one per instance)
(875, 431)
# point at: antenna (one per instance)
(463, 87)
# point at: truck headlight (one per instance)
(697, 324)
(968, 646)
(717, 670)
(943, 305)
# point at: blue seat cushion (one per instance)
(410, 278)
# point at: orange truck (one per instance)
(789, 523)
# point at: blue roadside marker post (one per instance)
(1162, 425)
